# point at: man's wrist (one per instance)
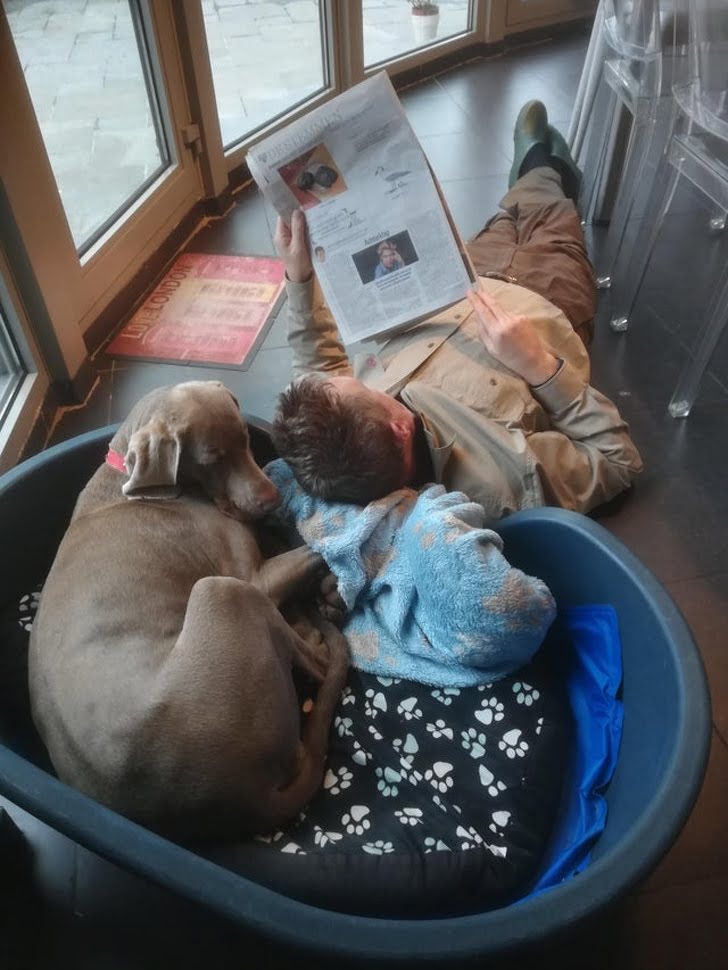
(295, 278)
(545, 371)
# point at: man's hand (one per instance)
(513, 340)
(292, 247)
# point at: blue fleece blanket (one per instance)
(430, 594)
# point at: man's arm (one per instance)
(312, 333)
(587, 457)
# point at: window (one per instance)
(398, 27)
(11, 370)
(266, 59)
(88, 70)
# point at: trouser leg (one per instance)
(537, 241)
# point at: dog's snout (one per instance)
(268, 498)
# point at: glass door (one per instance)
(89, 71)
(99, 87)
(393, 28)
(267, 59)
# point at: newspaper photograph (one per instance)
(383, 243)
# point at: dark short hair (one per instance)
(339, 450)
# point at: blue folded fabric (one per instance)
(431, 596)
(588, 655)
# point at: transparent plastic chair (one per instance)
(642, 58)
(696, 149)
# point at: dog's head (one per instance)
(193, 434)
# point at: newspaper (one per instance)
(383, 243)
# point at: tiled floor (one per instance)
(675, 521)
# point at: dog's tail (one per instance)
(284, 803)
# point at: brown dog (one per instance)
(160, 667)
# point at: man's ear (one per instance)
(401, 430)
(152, 461)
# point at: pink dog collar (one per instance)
(116, 461)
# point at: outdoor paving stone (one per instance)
(303, 12)
(60, 137)
(258, 11)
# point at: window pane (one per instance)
(266, 58)
(90, 87)
(391, 29)
(11, 370)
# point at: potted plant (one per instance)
(425, 17)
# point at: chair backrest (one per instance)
(709, 64)
(632, 28)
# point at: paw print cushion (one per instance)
(434, 801)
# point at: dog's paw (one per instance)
(330, 605)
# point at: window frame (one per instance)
(19, 414)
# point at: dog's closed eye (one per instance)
(213, 457)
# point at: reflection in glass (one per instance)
(266, 58)
(396, 27)
(90, 84)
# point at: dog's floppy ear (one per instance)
(152, 461)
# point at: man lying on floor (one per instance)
(492, 397)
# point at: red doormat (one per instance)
(206, 310)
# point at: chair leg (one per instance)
(630, 269)
(600, 136)
(691, 376)
(638, 148)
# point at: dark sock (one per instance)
(538, 156)
(569, 181)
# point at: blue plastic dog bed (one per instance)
(659, 769)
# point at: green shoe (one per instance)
(531, 128)
(568, 169)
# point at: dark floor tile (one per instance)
(434, 113)
(704, 604)
(678, 927)
(491, 93)
(677, 516)
(277, 335)
(473, 201)
(701, 850)
(245, 230)
(562, 73)
(258, 389)
(463, 155)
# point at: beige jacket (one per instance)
(505, 444)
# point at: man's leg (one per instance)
(537, 241)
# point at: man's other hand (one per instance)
(513, 340)
(292, 247)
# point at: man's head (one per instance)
(344, 441)
(320, 253)
(387, 252)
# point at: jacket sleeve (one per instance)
(588, 456)
(312, 333)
